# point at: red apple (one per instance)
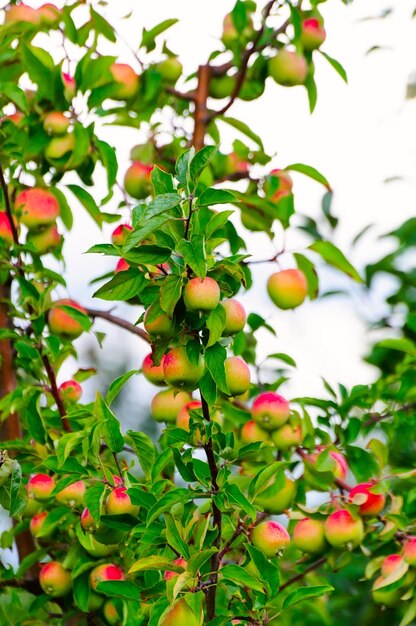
(342, 530)
(21, 13)
(54, 579)
(270, 410)
(5, 229)
(56, 123)
(61, 323)
(287, 288)
(44, 240)
(288, 68)
(313, 33)
(309, 536)
(287, 436)
(127, 79)
(120, 234)
(70, 391)
(40, 486)
(270, 538)
(153, 373)
(169, 574)
(235, 317)
(161, 328)
(237, 375)
(103, 573)
(183, 417)
(70, 86)
(373, 503)
(251, 433)
(37, 522)
(167, 404)
(278, 184)
(118, 502)
(36, 207)
(201, 294)
(73, 495)
(409, 551)
(179, 371)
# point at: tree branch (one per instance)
(311, 568)
(341, 484)
(118, 321)
(200, 116)
(54, 390)
(8, 207)
(190, 95)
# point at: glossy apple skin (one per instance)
(120, 234)
(169, 574)
(288, 68)
(313, 34)
(270, 410)
(342, 530)
(118, 502)
(287, 436)
(55, 580)
(153, 373)
(170, 69)
(183, 417)
(36, 207)
(40, 486)
(5, 229)
(391, 563)
(235, 317)
(201, 294)
(127, 79)
(162, 327)
(137, 180)
(44, 240)
(270, 538)
(166, 405)
(70, 391)
(21, 13)
(375, 502)
(275, 499)
(37, 522)
(287, 289)
(179, 371)
(56, 123)
(61, 323)
(105, 572)
(251, 433)
(237, 375)
(409, 551)
(180, 614)
(73, 495)
(309, 536)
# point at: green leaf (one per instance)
(215, 196)
(94, 498)
(170, 293)
(200, 161)
(87, 202)
(102, 26)
(15, 94)
(215, 324)
(143, 231)
(148, 255)
(144, 448)
(123, 286)
(65, 212)
(336, 65)
(194, 254)
(280, 356)
(154, 563)
(119, 589)
(109, 160)
(268, 572)
(214, 359)
(110, 426)
(182, 165)
(198, 559)
(160, 204)
(234, 494)
(333, 256)
(17, 501)
(305, 593)
(174, 538)
(217, 221)
(117, 385)
(362, 463)
(162, 181)
(241, 577)
(403, 345)
(166, 502)
(149, 36)
(308, 268)
(310, 171)
(243, 128)
(312, 92)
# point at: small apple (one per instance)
(251, 433)
(342, 530)
(59, 149)
(37, 522)
(287, 436)
(230, 34)
(87, 521)
(56, 123)
(44, 240)
(201, 294)
(169, 574)
(183, 417)
(54, 579)
(118, 502)
(40, 486)
(179, 371)
(392, 563)
(313, 33)
(21, 13)
(179, 614)
(5, 229)
(221, 86)
(122, 266)
(16, 118)
(153, 373)
(385, 596)
(120, 234)
(70, 86)
(270, 410)
(103, 573)
(70, 391)
(278, 184)
(373, 503)
(288, 68)
(234, 164)
(235, 317)
(237, 375)
(340, 469)
(49, 14)
(36, 207)
(309, 536)
(270, 538)
(61, 323)
(170, 69)
(137, 180)
(73, 495)
(287, 288)
(111, 613)
(127, 79)
(409, 551)
(166, 405)
(274, 498)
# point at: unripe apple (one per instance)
(54, 579)
(122, 266)
(278, 184)
(167, 404)
(36, 207)
(230, 34)
(118, 502)
(313, 33)
(251, 433)
(137, 180)
(60, 148)
(234, 164)
(37, 522)
(103, 573)
(287, 436)
(120, 234)
(49, 14)
(183, 417)
(270, 410)
(5, 229)
(237, 375)
(221, 86)
(70, 86)
(56, 123)
(87, 522)
(180, 614)
(96, 548)
(61, 323)
(374, 503)
(40, 486)
(95, 602)
(309, 536)
(385, 596)
(201, 294)
(21, 13)
(409, 550)
(341, 467)
(270, 538)
(169, 574)
(288, 288)
(44, 239)
(342, 530)
(179, 371)
(111, 614)
(70, 391)
(391, 563)
(235, 317)
(16, 118)
(127, 79)
(288, 68)
(275, 499)
(153, 373)
(32, 507)
(170, 69)
(73, 495)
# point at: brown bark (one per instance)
(201, 111)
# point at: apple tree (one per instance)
(251, 507)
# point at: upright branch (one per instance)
(200, 114)
(54, 390)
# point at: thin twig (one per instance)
(118, 321)
(54, 390)
(311, 568)
(200, 115)
(190, 95)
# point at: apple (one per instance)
(73, 495)
(127, 79)
(105, 572)
(16, 118)
(40, 486)
(56, 123)
(309, 536)
(61, 323)
(270, 410)
(70, 391)
(166, 405)
(287, 288)
(32, 506)
(391, 563)
(96, 548)
(278, 184)
(373, 504)
(409, 551)
(179, 371)
(137, 180)
(44, 240)
(183, 417)
(95, 602)
(230, 34)
(111, 613)
(36, 207)
(237, 375)
(287, 436)
(170, 69)
(21, 13)
(120, 234)
(235, 317)
(169, 574)
(153, 373)
(179, 614)
(342, 530)
(5, 229)
(274, 498)
(87, 522)
(288, 68)
(313, 33)
(341, 467)
(122, 266)
(118, 502)
(60, 148)
(270, 538)
(201, 294)
(234, 164)
(251, 433)
(221, 86)
(387, 597)
(70, 86)
(49, 14)
(54, 579)
(37, 522)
